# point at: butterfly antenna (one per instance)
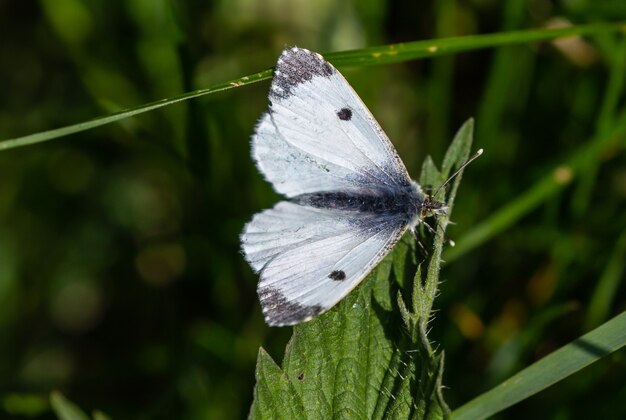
(458, 171)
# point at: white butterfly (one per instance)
(350, 197)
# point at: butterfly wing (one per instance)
(319, 136)
(310, 258)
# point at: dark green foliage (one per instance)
(121, 282)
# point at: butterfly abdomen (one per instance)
(393, 204)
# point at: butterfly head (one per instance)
(431, 207)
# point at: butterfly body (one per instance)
(404, 204)
(349, 197)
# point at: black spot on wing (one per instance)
(337, 275)
(296, 66)
(280, 311)
(345, 114)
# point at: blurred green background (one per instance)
(121, 281)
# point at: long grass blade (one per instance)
(130, 112)
(393, 53)
(558, 365)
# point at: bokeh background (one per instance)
(121, 281)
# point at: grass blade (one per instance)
(608, 285)
(556, 366)
(130, 112)
(396, 53)
(393, 53)
(65, 409)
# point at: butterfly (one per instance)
(349, 197)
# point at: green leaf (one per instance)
(457, 154)
(556, 366)
(274, 395)
(368, 357)
(393, 53)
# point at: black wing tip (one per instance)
(297, 55)
(279, 311)
(296, 66)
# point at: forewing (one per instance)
(310, 258)
(319, 136)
